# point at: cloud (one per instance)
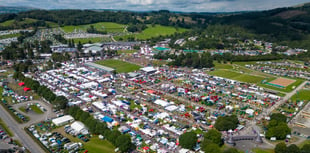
(146, 5)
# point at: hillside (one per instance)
(11, 9)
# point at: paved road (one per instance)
(287, 97)
(19, 132)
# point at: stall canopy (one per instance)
(21, 83)
(27, 89)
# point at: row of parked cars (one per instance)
(54, 141)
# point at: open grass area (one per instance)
(14, 22)
(96, 145)
(302, 95)
(151, 31)
(92, 40)
(258, 150)
(222, 66)
(36, 109)
(126, 51)
(236, 76)
(287, 89)
(9, 36)
(119, 66)
(100, 26)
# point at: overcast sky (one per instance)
(145, 5)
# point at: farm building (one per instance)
(102, 69)
(63, 120)
(79, 127)
(148, 70)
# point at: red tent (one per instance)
(21, 83)
(27, 89)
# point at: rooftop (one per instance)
(105, 68)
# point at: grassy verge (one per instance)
(36, 140)
(258, 150)
(23, 109)
(6, 128)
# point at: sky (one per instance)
(146, 5)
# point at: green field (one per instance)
(222, 66)
(287, 89)
(258, 150)
(36, 109)
(302, 95)
(155, 31)
(12, 22)
(9, 36)
(93, 40)
(126, 51)
(119, 66)
(236, 76)
(100, 26)
(96, 145)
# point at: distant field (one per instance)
(126, 51)
(9, 36)
(11, 22)
(119, 66)
(93, 40)
(101, 26)
(155, 31)
(222, 66)
(236, 76)
(302, 95)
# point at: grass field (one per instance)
(222, 66)
(126, 51)
(36, 109)
(96, 145)
(258, 150)
(100, 26)
(9, 36)
(23, 109)
(12, 22)
(236, 76)
(155, 31)
(302, 95)
(119, 66)
(287, 89)
(93, 40)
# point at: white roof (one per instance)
(171, 108)
(78, 126)
(161, 102)
(148, 69)
(63, 119)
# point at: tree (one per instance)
(123, 142)
(292, 149)
(211, 148)
(225, 123)
(113, 135)
(188, 140)
(280, 148)
(278, 117)
(214, 136)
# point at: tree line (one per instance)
(59, 102)
(122, 141)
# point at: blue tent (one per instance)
(107, 119)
